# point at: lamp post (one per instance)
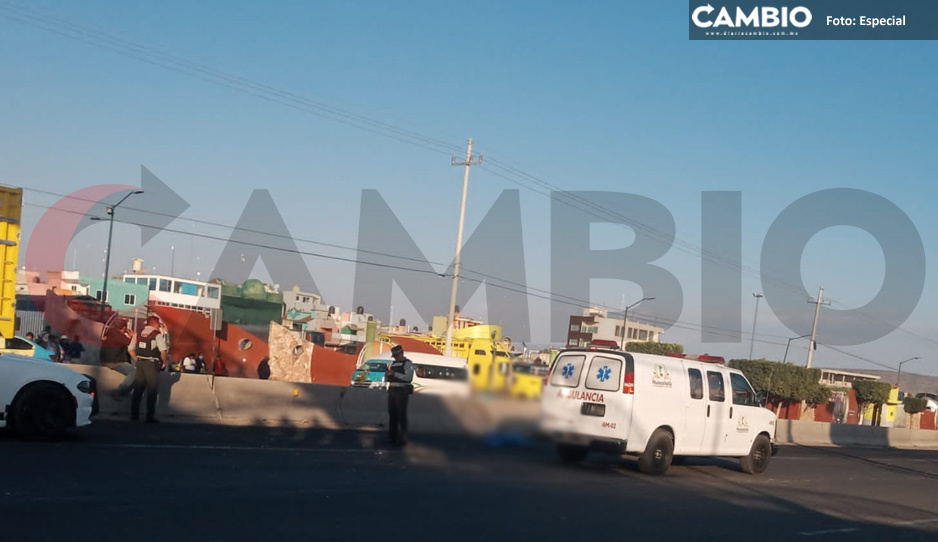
(625, 320)
(110, 234)
(784, 359)
(755, 318)
(899, 377)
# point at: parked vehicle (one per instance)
(41, 399)
(526, 380)
(656, 407)
(25, 347)
(433, 374)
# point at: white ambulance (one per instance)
(655, 406)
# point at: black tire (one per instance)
(658, 453)
(758, 459)
(42, 411)
(570, 454)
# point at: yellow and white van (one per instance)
(656, 407)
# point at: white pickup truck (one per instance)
(42, 399)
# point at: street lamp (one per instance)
(110, 233)
(755, 318)
(789, 344)
(625, 320)
(899, 377)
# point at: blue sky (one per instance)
(610, 97)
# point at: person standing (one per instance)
(400, 374)
(149, 352)
(76, 349)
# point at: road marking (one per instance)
(917, 521)
(831, 531)
(240, 448)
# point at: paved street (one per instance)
(172, 482)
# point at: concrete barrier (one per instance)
(825, 434)
(238, 401)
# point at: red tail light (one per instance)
(628, 387)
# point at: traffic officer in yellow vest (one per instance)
(149, 350)
(399, 376)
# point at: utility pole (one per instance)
(755, 318)
(450, 323)
(817, 311)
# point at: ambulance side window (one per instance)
(715, 383)
(696, 383)
(742, 391)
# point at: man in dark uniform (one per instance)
(399, 376)
(149, 351)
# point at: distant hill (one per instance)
(911, 382)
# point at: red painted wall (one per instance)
(189, 331)
(928, 420)
(331, 367)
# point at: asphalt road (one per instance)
(171, 482)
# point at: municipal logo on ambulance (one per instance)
(661, 378)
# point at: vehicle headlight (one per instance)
(84, 386)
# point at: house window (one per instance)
(618, 329)
(152, 285)
(130, 299)
(643, 335)
(130, 280)
(213, 292)
(575, 327)
(573, 342)
(165, 285)
(97, 296)
(480, 352)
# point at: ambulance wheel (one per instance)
(758, 459)
(570, 454)
(658, 453)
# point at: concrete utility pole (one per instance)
(817, 311)
(450, 321)
(755, 317)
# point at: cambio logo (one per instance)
(764, 17)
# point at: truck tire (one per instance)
(570, 454)
(758, 459)
(42, 411)
(658, 453)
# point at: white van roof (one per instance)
(427, 359)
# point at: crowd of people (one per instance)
(61, 348)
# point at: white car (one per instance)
(42, 399)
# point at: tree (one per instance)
(784, 381)
(914, 405)
(654, 348)
(870, 392)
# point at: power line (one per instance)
(97, 38)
